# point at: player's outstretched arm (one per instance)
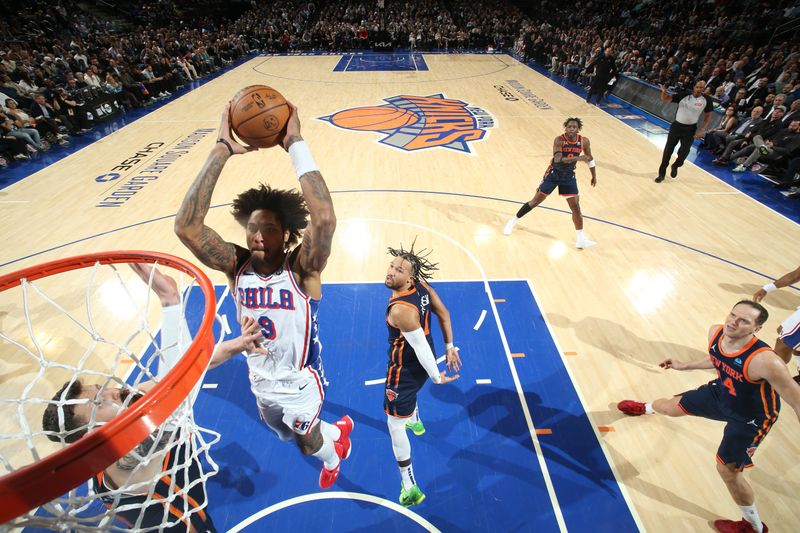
(164, 286)
(406, 320)
(248, 342)
(190, 227)
(443, 315)
(790, 278)
(316, 246)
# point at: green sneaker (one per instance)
(416, 427)
(412, 496)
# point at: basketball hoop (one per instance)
(48, 477)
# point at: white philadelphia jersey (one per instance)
(288, 320)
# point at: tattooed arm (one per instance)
(204, 242)
(142, 465)
(316, 246)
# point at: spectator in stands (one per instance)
(767, 129)
(728, 121)
(784, 145)
(741, 133)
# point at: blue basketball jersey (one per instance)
(400, 352)
(744, 396)
(569, 149)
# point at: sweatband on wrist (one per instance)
(423, 352)
(301, 158)
(448, 345)
(769, 287)
(592, 164)
(227, 144)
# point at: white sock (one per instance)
(407, 475)
(648, 409)
(579, 233)
(750, 513)
(330, 431)
(327, 453)
(797, 361)
(414, 418)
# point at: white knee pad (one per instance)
(400, 443)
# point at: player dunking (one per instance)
(411, 356)
(746, 395)
(567, 149)
(278, 287)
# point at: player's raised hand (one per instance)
(292, 134)
(759, 295)
(448, 379)
(226, 137)
(252, 336)
(453, 360)
(164, 286)
(672, 363)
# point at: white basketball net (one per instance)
(99, 325)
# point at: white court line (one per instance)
(483, 381)
(520, 393)
(620, 481)
(369, 498)
(225, 326)
(477, 325)
(375, 381)
(210, 385)
(15, 201)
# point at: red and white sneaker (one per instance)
(742, 526)
(631, 408)
(345, 425)
(328, 477)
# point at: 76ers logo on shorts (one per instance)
(392, 395)
(301, 425)
(413, 123)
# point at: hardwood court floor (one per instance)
(671, 260)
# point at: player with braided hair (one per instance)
(411, 354)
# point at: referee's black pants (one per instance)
(678, 133)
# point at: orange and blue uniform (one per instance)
(750, 407)
(562, 175)
(404, 373)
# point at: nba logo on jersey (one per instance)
(413, 123)
(392, 395)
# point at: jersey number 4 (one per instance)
(729, 385)
(267, 328)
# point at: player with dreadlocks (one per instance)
(411, 359)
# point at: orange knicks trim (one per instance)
(401, 346)
(747, 364)
(682, 408)
(743, 349)
(412, 290)
(172, 510)
(427, 329)
(396, 415)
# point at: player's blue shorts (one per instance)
(741, 436)
(400, 400)
(565, 181)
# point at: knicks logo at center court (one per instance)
(413, 123)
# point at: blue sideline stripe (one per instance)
(587, 489)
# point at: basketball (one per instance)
(259, 115)
(377, 118)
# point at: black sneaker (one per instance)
(797, 378)
(659, 179)
(673, 171)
